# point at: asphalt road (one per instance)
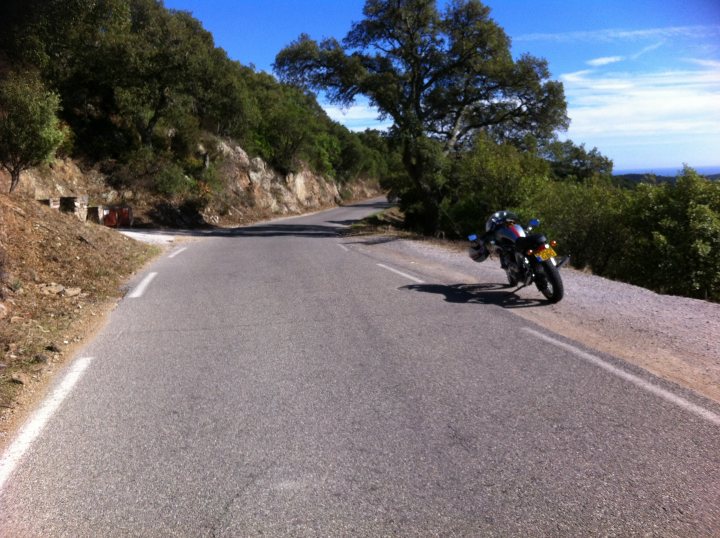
(282, 380)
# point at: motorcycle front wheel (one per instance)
(549, 283)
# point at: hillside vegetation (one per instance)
(146, 97)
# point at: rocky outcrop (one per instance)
(251, 190)
(60, 178)
(257, 186)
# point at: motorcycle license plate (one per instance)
(545, 254)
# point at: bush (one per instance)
(675, 239)
(586, 219)
(489, 178)
(171, 180)
(29, 128)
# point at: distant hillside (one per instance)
(632, 180)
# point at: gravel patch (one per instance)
(675, 338)
(152, 237)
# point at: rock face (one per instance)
(62, 177)
(255, 185)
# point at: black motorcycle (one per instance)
(526, 257)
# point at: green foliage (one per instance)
(227, 101)
(132, 74)
(664, 237)
(675, 237)
(29, 128)
(326, 152)
(366, 155)
(171, 180)
(287, 128)
(486, 178)
(440, 76)
(587, 219)
(421, 201)
(574, 163)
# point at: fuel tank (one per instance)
(509, 232)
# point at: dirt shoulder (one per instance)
(675, 338)
(59, 278)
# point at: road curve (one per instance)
(280, 379)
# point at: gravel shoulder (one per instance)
(675, 338)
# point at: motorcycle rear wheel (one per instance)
(550, 284)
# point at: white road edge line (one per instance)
(178, 251)
(401, 273)
(343, 247)
(138, 292)
(32, 429)
(635, 380)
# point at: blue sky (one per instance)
(641, 77)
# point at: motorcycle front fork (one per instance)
(522, 270)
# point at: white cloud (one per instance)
(597, 62)
(650, 103)
(710, 64)
(611, 35)
(607, 60)
(624, 111)
(647, 49)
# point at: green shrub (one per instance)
(489, 178)
(586, 219)
(675, 239)
(171, 180)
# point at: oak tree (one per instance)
(443, 76)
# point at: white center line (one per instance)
(32, 429)
(343, 247)
(635, 380)
(138, 292)
(178, 251)
(401, 273)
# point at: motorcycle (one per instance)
(526, 257)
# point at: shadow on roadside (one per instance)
(264, 229)
(495, 294)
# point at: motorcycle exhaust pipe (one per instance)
(563, 261)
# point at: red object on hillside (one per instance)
(116, 217)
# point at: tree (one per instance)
(441, 76)
(167, 54)
(29, 128)
(574, 163)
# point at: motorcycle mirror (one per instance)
(534, 222)
(472, 237)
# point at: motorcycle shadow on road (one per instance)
(490, 293)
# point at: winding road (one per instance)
(283, 380)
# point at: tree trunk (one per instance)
(426, 195)
(160, 106)
(14, 178)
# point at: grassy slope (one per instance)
(38, 328)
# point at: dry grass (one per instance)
(40, 246)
